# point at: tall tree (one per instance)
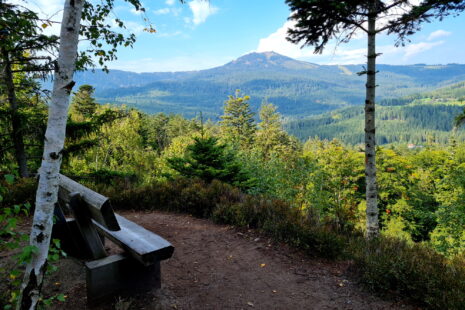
(54, 140)
(319, 21)
(237, 122)
(83, 101)
(270, 136)
(75, 11)
(20, 39)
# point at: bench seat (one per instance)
(142, 244)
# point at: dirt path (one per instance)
(220, 267)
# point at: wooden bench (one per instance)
(83, 236)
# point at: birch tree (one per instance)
(317, 22)
(47, 191)
(74, 12)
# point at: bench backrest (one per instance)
(98, 205)
(93, 211)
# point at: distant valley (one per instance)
(299, 89)
(416, 103)
(420, 119)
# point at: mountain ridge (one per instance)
(297, 87)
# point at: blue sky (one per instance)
(199, 35)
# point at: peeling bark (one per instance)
(370, 130)
(47, 191)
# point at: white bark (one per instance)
(47, 190)
(370, 129)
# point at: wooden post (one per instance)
(87, 229)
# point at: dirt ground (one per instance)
(220, 267)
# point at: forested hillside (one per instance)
(298, 88)
(281, 152)
(419, 119)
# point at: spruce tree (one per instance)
(318, 22)
(238, 125)
(83, 101)
(208, 160)
(270, 136)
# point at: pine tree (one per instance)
(237, 123)
(83, 101)
(319, 21)
(270, 136)
(208, 160)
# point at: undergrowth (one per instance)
(386, 265)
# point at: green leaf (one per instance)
(9, 178)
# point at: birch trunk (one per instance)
(370, 129)
(47, 190)
(16, 126)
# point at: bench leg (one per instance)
(119, 275)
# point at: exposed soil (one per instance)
(221, 267)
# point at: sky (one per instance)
(198, 35)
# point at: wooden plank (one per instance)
(86, 227)
(99, 206)
(119, 274)
(143, 245)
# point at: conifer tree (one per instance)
(270, 135)
(83, 101)
(208, 160)
(319, 21)
(238, 125)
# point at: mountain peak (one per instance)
(270, 60)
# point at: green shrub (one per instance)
(386, 265)
(281, 221)
(22, 191)
(414, 271)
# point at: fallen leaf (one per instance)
(262, 265)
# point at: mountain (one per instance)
(298, 88)
(418, 119)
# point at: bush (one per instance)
(385, 265)
(228, 205)
(22, 191)
(193, 196)
(413, 271)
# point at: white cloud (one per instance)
(170, 2)
(351, 53)
(201, 9)
(277, 42)
(416, 48)
(162, 11)
(438, 34)
(46, 9)
(136, 12)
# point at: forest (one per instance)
(329, 186)
(418, 118)
(238, 170)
